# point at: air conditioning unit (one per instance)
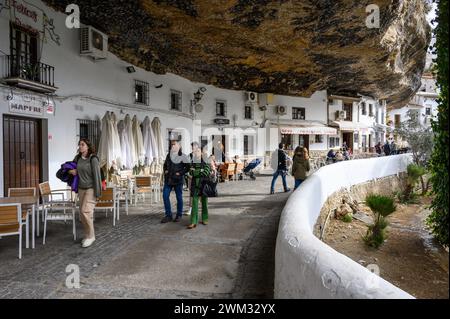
(281, 110)
(341, 115)
(93, 43)
(252, 97)
(266, 99)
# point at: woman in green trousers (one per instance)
(200, 171)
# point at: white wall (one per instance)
(306, 267)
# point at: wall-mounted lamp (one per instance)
(131, 69)
(10, 96)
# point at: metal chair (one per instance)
(54, 209)
(11, 222)
(142, 185)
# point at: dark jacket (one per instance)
(300, 167)
(171, 169)
(282, 160)
(387, 149)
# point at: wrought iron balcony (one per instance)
(20, 72)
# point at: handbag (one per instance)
(209, 188)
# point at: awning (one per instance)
(347, 126)
(311, 130)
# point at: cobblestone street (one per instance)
(232, 257)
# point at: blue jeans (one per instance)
(166, 196)
(298, 182)
(275, 177)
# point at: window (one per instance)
(24, 53)
(363, 108)
(175, 100)
(334, 142)
(370, 109)
(249, 145)
(298, 113)
(89, 129)
(348, 108)
(428, 111)
(356, 138)
(397, 120)
(248, 113)
(221, 108)
(319, 139)
(141, 92)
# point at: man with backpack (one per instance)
(279, 165)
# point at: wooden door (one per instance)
(21, 152)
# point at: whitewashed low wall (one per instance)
(305, 267)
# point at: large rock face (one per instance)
(278, 46)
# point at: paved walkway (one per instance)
(232, 257)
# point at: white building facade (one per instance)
(424, 102)
(51, 96)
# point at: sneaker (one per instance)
(88, 242)
(272, 192)
(287, 190)
(205, 223)
(177, 219)
(166, 219)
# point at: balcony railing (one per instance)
(32, 75)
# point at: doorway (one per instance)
(219, 148)
(303, 141)
(22, 152)
(348, 139)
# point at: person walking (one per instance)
(175, 166)
(199, 171)
(300, 166)
(280, 160)
(387, 148)
(89, 187)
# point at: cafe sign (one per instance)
(26, 105)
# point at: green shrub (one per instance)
(381, 206)
(348, 218)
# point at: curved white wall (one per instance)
(305, 267)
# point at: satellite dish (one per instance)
(198, 108)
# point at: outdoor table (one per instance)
(24, 201)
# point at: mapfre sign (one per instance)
(27, 105)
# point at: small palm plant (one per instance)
(381, 206)
(414, 174)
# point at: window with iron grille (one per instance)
(89, 129)
(298, 113)
(319, 138)
(221, 108)
(370, 109)
(141, 92)
(334, 142)
(428, 111)
(249, 145)
(175, 100)
(248, 113)
(348, 108)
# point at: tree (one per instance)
(420, 140)
(381, 206)
(438, 219)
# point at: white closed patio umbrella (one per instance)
(116, 149)
(132, 160)
(138, 140)
(103, 152)
(123, 143)
(156, 126)
(149, 140)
